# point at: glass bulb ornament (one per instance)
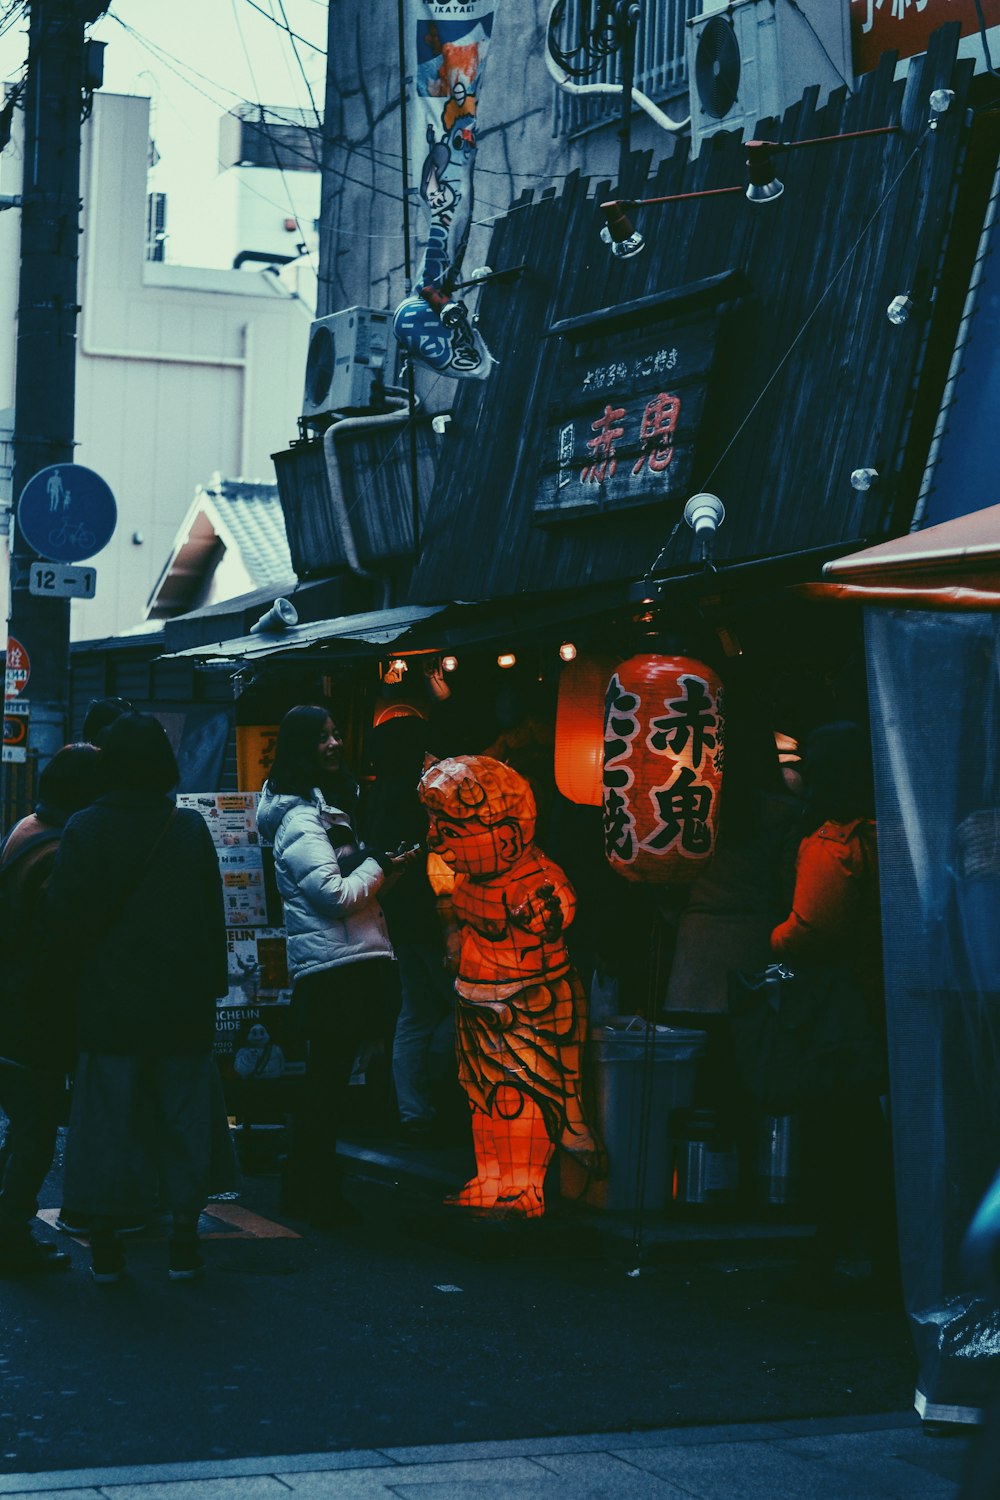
(899, 309)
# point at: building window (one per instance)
(156, 226)
(660, 62)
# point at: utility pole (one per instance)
(45, 373)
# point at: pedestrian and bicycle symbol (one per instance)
(67, 512)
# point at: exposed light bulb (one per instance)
(863, 479)
(506, 659)
(899, 309)
(567, 651)
(449, 663)
(440, 422)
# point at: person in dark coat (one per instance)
(428, 990)
(136, 895)
(35, 1026)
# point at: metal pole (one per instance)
(45, 377)
(411, 384)
(628, 19)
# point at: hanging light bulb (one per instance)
(449, 663)
(863, 479)
(567, 651)
(899, 309)
(506, 659)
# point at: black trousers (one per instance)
(338, 1010)
(31, 1098)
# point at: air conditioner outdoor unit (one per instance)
(347, 351)
(749, 60)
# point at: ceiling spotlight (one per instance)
(763, 186)
(899, 309)
(506, 659)
(619, 233)
(705, 514)
(449, 663)
(863, 479)
(567, 651)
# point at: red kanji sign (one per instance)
(18, 668)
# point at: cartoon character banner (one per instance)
(447, 44)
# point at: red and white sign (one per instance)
(905, 26)
(18, 669)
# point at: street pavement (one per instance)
(402, 1351)
(879, 1458)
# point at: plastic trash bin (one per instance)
(639, 1074)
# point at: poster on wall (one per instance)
(447, 42)
(257, 1044)
(231, 816)
(905, 26)
(258, 966)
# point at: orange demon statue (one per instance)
(521, 1017)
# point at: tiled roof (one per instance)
(251, 513)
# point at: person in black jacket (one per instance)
(35, 1031)
(136, 896)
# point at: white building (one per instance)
(181, 371)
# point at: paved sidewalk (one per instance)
(865, 1458)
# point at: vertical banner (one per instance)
(446, 46)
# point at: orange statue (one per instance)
(522, 1012)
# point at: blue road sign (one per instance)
(67, 512)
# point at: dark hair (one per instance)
(101, 714)
(136, 756)
(71, 779)
(294, 767)
(837, 775)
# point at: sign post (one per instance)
(45, 364)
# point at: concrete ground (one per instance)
(874, 1458)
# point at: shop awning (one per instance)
(952, 566)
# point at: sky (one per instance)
(195, 59)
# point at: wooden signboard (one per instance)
(625, 413)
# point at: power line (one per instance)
(270, 138)
(321, 51)
(302, 70)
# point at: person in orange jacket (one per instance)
(835, 919)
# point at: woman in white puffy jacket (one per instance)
(339, 953)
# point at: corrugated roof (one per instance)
(377, 627)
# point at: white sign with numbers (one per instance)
(58, 581)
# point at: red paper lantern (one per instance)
(663, 746)
(579, 755)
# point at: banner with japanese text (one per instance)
(905, 26)
(447, 42)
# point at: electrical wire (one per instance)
(270, 137)
(284, 26)
(799, 335)
(302, 70)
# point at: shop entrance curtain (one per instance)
(934, 686)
